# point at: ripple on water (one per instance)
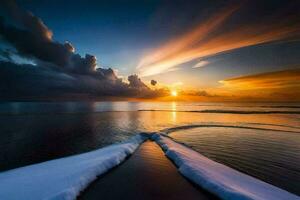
(272, 156)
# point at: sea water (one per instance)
(259, 139)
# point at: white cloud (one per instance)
(202, 63)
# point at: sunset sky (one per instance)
(204, 50)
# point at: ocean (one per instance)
(259, 139)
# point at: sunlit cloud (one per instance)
(276, 86)
(177, 84)
(282, 80)
(199, 43)
(149, 64)
(201, 63)
(173, 69)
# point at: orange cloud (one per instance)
(196, 44)
(272, 86)
(181, 44)
(286, 80)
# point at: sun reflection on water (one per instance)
(173, 111)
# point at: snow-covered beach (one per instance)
(65, 178)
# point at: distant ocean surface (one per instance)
(259, 139)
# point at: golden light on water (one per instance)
(174, 105)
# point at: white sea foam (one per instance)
(216, 178)
(64, 178)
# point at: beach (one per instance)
(147, 174)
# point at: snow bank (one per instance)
(216, 178)
(64, 178)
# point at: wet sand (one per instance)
(147, 174)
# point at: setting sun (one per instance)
(174, 93)
(196, 99)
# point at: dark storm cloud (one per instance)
(6, 54)
(136, 82)
(26, 19)
(36, 43)
(153, 82)
(26, 81)
(59, 71)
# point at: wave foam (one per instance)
(64, 178)
(216, 178)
